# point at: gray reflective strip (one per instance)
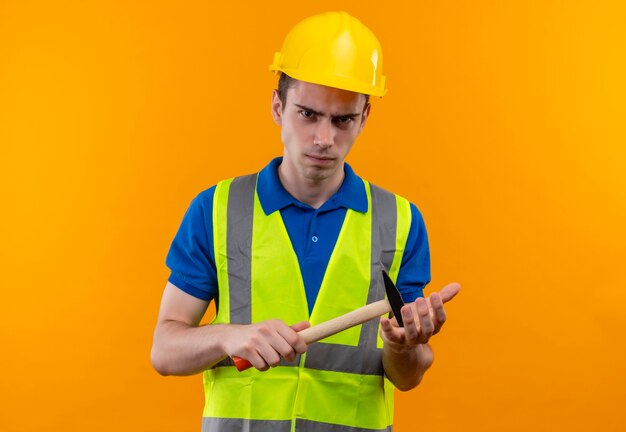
(365, 359)
(343, 358)
(384, 228)
(239, 247)
(312, 426)
(213, 424)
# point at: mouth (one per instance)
(320, 158)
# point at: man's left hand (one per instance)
(406, 354)
(422, 318)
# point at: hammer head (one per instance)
(394, 297)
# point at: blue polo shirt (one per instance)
(313, 234)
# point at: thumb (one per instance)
(301, 326)
(448, 292)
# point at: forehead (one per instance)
(325, 99)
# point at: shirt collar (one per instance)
(273, 196)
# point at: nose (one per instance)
(324, 134)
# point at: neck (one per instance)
(314, 192)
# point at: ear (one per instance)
(277, 108)
(365, 115)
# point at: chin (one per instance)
(316, 173)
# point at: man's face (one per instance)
(319, 125)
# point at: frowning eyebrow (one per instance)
(318, 113)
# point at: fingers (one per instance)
(418, 325)
(282, 341)
(265, 343)
(436, 301)
(391, 332)
(438, 312)
(426, 325)
(422, 318)
(291, 342)
(252, 354)
(410, 329)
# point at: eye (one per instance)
(343, 121)
(306, 114)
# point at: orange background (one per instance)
(504, 122)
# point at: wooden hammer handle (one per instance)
(333, 326)
(344, 322)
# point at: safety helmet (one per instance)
(333, 49)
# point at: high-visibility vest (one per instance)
(338, 385)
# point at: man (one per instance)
(303, 241)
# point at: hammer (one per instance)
(393, 303)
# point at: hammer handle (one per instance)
(344, 322)
(333, 326)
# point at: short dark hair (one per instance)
(285, 82)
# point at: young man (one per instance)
(301, 242)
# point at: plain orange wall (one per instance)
(504, 122)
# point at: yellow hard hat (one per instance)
(333, 49)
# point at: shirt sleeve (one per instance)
(414, 272)
(191, 257)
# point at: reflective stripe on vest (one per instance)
(245, 425)
(311, 426)
(339, 381)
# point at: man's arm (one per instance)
(406, 353)
(181, 347)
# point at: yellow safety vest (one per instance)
(338, 385)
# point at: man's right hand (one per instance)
(265, 343)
